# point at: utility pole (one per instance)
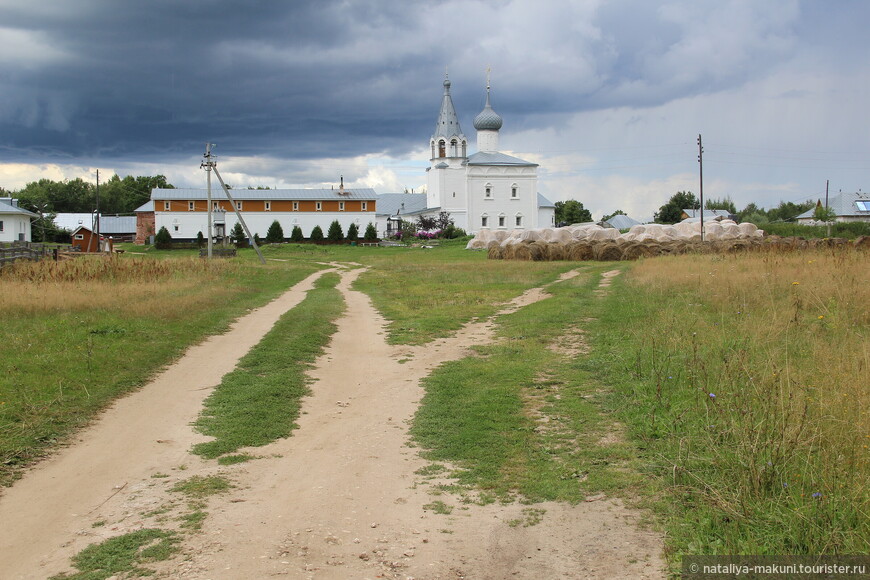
(827, 185)
(95, 222)
(208, 164)
(827, 216)
(701, 177)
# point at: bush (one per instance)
(850, 230)
(371, 234)
(163, 239)
(275, 234)
(257, 240)
(316, 234)
(352, 233)
(451, 232)
(200, 240)
(296, 235)
(335, 234)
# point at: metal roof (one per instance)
(404, 203)
(362, 193)
(147, 206)
(108, 224)
(487, 119)
(622, 222)
(843, 204)
(448, 123)
(7, 207)
(544, 202)
(495, 158)
(696, 213)
(117, 225)
(70, 221)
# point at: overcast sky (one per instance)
(609, 97)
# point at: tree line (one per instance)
(572, 211)
(118, 196)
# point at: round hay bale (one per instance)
(539, 251)
(604, 234)
(579, 252)
(495, 252)
(522, 252)
(530, 235)
(607, 251)
(557, 252)
(635, 250)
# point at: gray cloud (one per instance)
(96, 81)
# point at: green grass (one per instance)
(123, 555)
(485, 414)
(427, 293)
(61, 365)
(199, 486)
(258, 402)
(743, 380)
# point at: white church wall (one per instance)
(501, 203)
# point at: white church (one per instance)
(485, 190)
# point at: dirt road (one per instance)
(339, 499)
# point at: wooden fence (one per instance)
(10, 252)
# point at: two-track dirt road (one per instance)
(338, 499)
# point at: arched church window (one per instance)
(519, 220)
(487, 191)
(441, 147)
(484, 220)
(515, 191)
(501, 221)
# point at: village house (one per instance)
(848, 207)
(14, 221)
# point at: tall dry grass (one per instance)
(139, 287)
(750, 377)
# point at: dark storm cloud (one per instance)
(96, 82)
(150, 78)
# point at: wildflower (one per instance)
(795, 283)
(784, 484)
(817, 494)
(821, 316)
(712, 395)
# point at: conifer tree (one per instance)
(335, 234)
(275, 234)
